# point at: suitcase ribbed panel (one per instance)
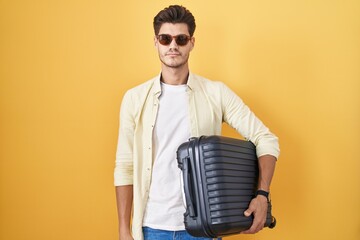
(230, 170)
(225, 179)
(228, 205)
(213, 160)
(227, 213)
(233, 173)
(228, 147)
(233, 192)
(227, 199)
(234, 186)
(227, 166)
(218, 153)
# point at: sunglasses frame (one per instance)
(176, 37)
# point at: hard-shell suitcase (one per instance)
(220, 176)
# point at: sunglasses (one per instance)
(166, 39)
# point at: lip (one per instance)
(172, 54)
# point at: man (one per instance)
(160, 114)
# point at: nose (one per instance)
(173, 44)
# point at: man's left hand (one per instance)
(258, 207)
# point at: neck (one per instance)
(175, 76)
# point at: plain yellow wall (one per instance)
(65, 65)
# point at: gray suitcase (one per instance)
(220, 176)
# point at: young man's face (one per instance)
(174, 55)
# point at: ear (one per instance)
(192, 41)
(155, 41)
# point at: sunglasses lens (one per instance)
(165, 39)
(182, 40)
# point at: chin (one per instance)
(173, 64)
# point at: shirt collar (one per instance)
(156, 88)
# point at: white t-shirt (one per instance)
(165, 207)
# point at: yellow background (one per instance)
(65, 65)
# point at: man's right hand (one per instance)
(125, 236)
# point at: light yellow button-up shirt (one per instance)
(210, 104)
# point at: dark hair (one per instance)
(174, 14)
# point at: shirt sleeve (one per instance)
(123, 173)
(240, 117)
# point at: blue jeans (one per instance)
(156, 234)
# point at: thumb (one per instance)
(248, 212)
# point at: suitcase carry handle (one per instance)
(273, 223)
(187, 186)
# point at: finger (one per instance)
(257, 225)
(249, 211)
(253, 229)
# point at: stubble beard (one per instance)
(173, 65)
